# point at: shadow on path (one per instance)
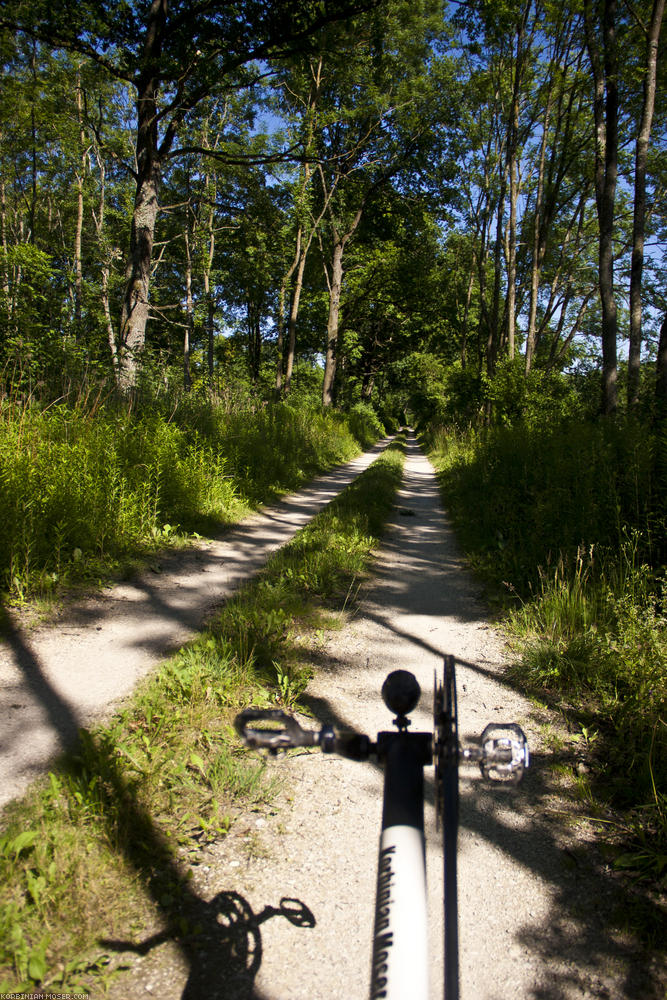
(224, 953)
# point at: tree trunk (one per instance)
(513, 167)
(208, 268)
(134, 311)
(210, 329)
(466, 314)
(3, 242)
(605, 109)
(104, 295)
(661, 370)
(284, 285)
(493, 333)
(641, 156)
(332, 324)
(539, 245)
(291, 326)
(189, 313)
(78, 234)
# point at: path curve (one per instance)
(57, 678)
(534, 911)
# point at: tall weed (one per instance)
(86, 485)
(569, 522)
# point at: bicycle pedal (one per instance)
(505, 754)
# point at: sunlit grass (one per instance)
(87, 489)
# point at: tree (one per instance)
(375, 98)
(602, 46)
(173, 56)
(650, 68)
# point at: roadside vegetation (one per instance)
(90, 485)
(566, 520)
(103, 850)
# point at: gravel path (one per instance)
(58, 678)
(287, 898)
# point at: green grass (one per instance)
(102, 851)
(567, 525)
(88, 488)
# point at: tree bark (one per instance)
(134, 311)
(639, 215)
(539, 244)
(332, 324)
(661, 370)
(513, 168)
(3, 242)
(605, 109)
(188, 335)
(291, 325)
(78, 234)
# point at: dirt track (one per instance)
(535, 904)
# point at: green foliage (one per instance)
(365, 424)
(540, 493)
(570, 521)
(535, 398)
(87, 485)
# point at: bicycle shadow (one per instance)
(225, 950)
(218, 941)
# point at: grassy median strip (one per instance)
(101, 852)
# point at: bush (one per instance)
(365, 424)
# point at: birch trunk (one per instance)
(78, 235)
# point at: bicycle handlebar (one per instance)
(502, 756)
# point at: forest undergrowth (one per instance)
(567, 524)
(104, 849)
(91, 485)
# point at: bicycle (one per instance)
(400, 964)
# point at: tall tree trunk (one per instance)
(210, 327)
(134, 311)
(661, 371)
(104, 296)
(209, 297)
(511, 270)
(78, 234)
(494, 325)
(3, 242)
(513, 167)
(641, 156)
(336, 282)
(189, 311)
(284, 285)
(605, 109)
(539, 245)
(291, 325)
(466, 314)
